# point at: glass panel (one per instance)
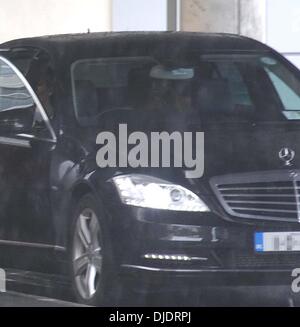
(13, 93)
(289, 98)
(217, 87)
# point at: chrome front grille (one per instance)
(271, 195)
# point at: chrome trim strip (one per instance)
(34, 97)
(29, 244)
(29, 136)
(260, 202)
(260, 195)
(212, 270)
(32, 137)
(295, 183)
(14, 142)
(21, 142)
(263, 209)
(255, 188)
(183, 238)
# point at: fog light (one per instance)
(172, 257)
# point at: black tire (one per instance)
(108, 290)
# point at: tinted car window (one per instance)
(13, 93)
(35, 65)
(217, 87)
(237, 86)
(101, 85)
(286, 86)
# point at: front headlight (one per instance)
(150, 192)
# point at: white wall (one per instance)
(283, 27)
(22, 18)
(139, 15)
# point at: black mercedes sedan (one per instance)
(149, 161)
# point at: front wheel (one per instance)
(92, 273)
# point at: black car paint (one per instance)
(50, 178)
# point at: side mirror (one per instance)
(16, 120)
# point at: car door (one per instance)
(26, 144)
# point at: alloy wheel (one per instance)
(87, 254)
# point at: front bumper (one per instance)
(148, 279)
(165, 249)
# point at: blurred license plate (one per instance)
(277, 242)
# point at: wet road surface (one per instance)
(15, 299)
(280, 296)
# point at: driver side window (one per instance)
(21, 112)
(17, 106)
(13, 93)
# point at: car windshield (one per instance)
(209, 87)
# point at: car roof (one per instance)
(70, 47)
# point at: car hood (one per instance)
(231, 149)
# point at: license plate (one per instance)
(277, 242)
